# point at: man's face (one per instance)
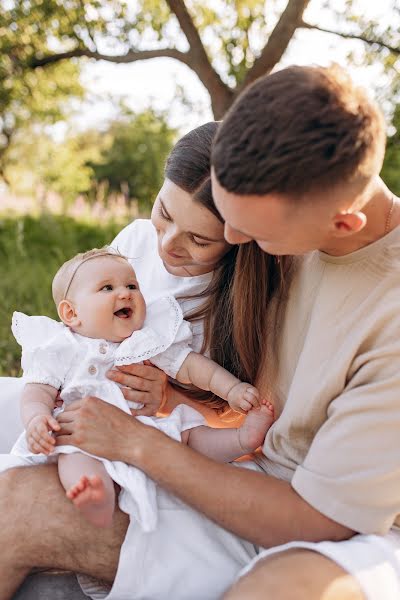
(275, 222)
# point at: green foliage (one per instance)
(36, 161)
(133, 161)
(391, 165)
(31, 251)
(127, 158)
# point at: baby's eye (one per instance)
(132, 286)
(106, 288)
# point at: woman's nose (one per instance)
(169, 240)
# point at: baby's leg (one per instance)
(89, 486)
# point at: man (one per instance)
(296, 166)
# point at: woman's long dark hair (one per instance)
(243, 284)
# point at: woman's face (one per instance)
(190, 238)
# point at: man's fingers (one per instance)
(65, 429)
(64, 440)
(146, 411)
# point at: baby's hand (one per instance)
(37, 434)
(243, 397)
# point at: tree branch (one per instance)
(199, 60)
(353, 36)
(129, 57)
(278, 41)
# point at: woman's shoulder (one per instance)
(136, 238)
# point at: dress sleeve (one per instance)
(47, 349)
(171, 360)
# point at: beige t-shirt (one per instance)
(337, 438)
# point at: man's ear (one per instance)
(67, 313)
(348, 223)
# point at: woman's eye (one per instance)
(162, 214)
(200, 244)
(106, 288)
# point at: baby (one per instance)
(105, 322)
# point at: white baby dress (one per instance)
(52, 354)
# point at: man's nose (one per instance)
(235, 237)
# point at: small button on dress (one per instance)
(103, 349)
(92, 370)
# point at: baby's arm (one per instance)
(225, 445)
(206, 374)
(37, 403)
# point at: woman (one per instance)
(184, 253)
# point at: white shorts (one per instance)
(374, 561)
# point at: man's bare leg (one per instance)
(297, 573)
(40, 527)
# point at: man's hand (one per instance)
(38, 434)
(144, 384)
(103, 430)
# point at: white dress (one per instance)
(52, 354)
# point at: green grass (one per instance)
(31, 251)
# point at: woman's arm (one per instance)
(255, 506)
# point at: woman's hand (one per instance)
(102, 429)
(144, 384)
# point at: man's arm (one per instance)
(255, 506)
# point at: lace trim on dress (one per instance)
(161, 345)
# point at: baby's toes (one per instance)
(267, 406)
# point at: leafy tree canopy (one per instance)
(228, 43)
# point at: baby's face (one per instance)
(107, 300)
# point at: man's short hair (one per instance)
(299, 130)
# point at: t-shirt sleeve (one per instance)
(351, 472)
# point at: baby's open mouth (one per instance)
(123, 313)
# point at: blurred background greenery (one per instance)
(93, 94)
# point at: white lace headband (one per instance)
(99, 255)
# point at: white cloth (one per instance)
(190, 557)
(374, 561)
(52, 354)
(11, 424)
(138, 242)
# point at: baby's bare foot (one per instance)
(253, 431)
(92, 498)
